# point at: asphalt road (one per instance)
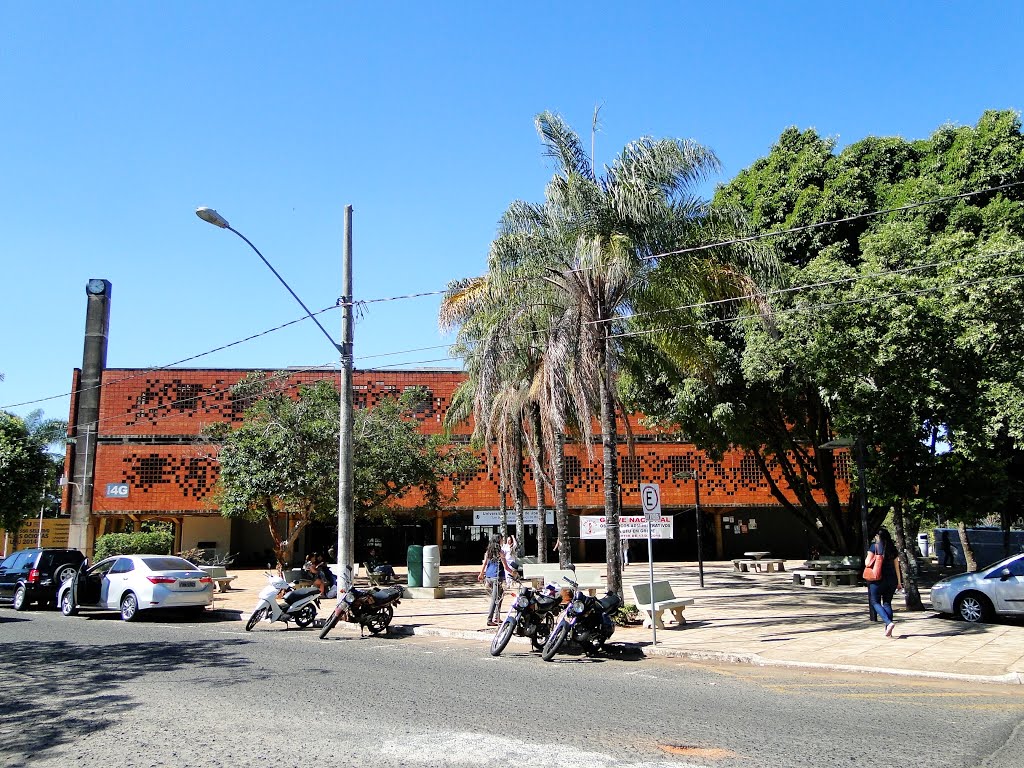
(94, 691)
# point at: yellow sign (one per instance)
(54, 534)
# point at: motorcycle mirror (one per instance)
(570, 567)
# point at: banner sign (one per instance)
(630, 527)
(493, 517)
(53, 534)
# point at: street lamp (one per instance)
(346, 503)
(688, 475)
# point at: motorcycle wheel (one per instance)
(502, 637)
(256, 618)
(305, 616)
(329, 624)
(543, 633)
(555, 642)
(378, 621)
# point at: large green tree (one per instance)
(280, 466)
(25, 472)
(902, 329)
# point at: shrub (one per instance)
(207, 556)
(626, 615)
(155, 543)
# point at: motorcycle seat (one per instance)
(387, 595)
(610, 602)
(298, 594)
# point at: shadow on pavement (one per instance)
(52, 694)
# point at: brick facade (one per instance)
(151, 424)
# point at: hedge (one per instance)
(156, 543)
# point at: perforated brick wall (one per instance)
(154, 412)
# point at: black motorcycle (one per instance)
(586, 620)
(531, 615)
(369, 608)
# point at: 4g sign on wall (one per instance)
(117, 490)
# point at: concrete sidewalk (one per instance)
(757, 618)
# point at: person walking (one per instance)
(493, 570)
(890, 579)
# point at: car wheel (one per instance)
(129, 607)
(973, 607)
(67, 604)
(21, 602)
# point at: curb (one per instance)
(753, 659)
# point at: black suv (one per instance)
(33, 575)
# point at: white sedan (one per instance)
(133, 583)
(997, 588)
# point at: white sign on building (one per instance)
(630, 527)
(493, 517)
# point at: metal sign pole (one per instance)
(650, 567)
(650, 502)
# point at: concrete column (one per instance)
(94, 360)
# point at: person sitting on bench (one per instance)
(379, 569)
(325, 579)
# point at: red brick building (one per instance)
(152, 463)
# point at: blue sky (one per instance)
(121, 118)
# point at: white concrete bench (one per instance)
(540, 574)
(664, 601)
(810, 577)
(219, 576)
(765, 565)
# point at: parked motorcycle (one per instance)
(369, 608)
(300, 605)
(586, 620)
(531, 615)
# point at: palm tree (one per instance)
(589, 253)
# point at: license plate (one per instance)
(190, 584)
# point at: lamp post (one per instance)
(346, 503)
(687, 475)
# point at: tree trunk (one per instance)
(609, 440)
(972, 563)
(561, 502)
(908, 562)
(538, 487)
(502, 506)
(518, 497)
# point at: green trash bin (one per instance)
(414, 561)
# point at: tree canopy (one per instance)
(901, 328)
(25, 470)
(280, 466)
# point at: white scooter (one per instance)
(300, 605)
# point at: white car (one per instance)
(133, 583)
(997, 588)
